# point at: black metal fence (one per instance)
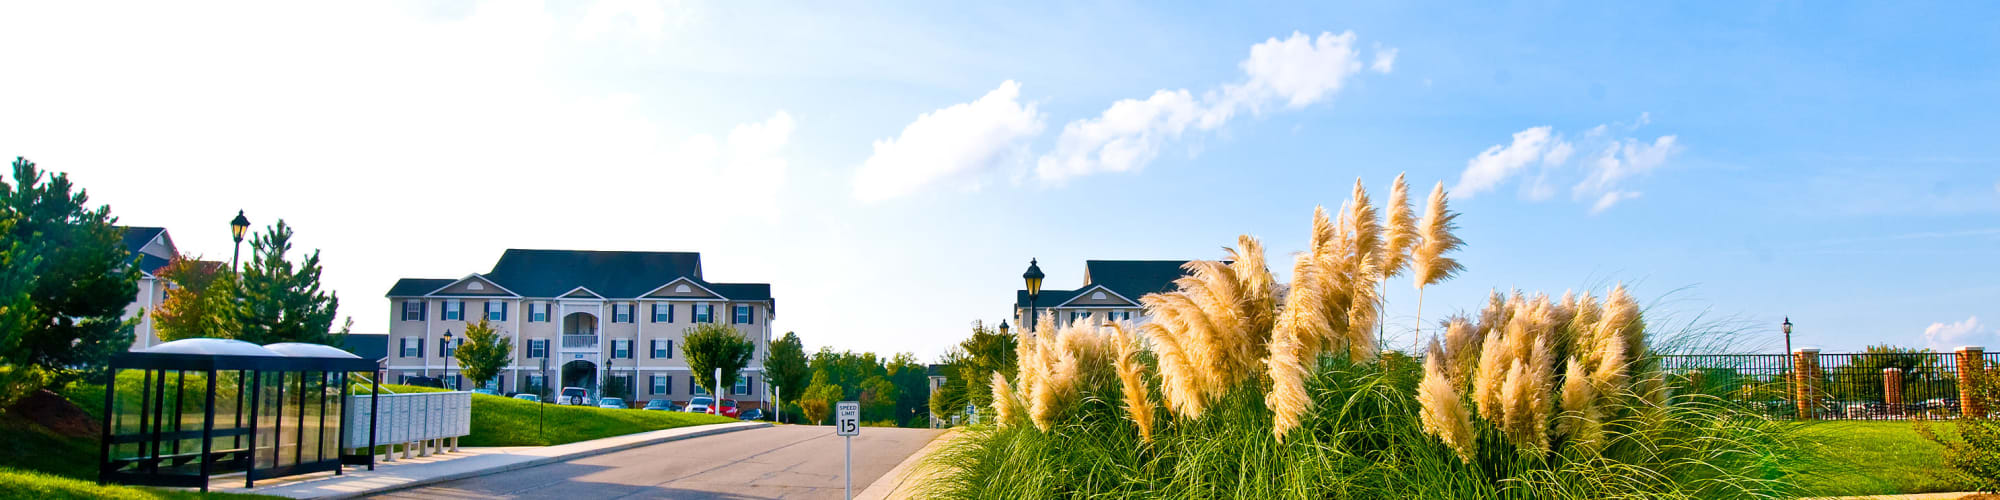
(1871, 386)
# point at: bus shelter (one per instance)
(179, 413)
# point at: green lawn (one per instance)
(39, 486)
(1873, 458)
(502, 421)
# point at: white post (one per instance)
(849, 467)
(718, 392)
(777, 399)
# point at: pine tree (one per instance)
(281, 302)
(78, 275)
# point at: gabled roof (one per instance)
(137, 237)
(1134, 278)
(418, 287)
(369, 346)
(1100, 289)
(1047, 299)
(1131, 279)
(549, 273)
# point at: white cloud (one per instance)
(1612, 198)
(956, 142)
(1385, 60)
(1295, 72)
(1124, 138)
(644, 19)
(1604, 175)
(1951, 335)
(1487, 169)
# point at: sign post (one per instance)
(847, 423)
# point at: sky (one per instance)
(891, 167)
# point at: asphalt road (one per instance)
(787, 461)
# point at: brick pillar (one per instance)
(1971, 366)
(1892, 390)
(1805, 371)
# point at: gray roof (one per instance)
(369, 346)
(137, 237)
(611, 274)
(1130, 278)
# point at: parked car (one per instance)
(753, 414)
(705, 404)
(486, 391)
(662, 405)
(532, 398)
(613, 403)
(573, 396)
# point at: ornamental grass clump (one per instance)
(1234, 386)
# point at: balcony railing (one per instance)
(579, 341)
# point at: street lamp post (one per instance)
(1788, 334)
(1003, 328)
(1034, 279)
(449, 353)
(1792, 361)
(542, 408)
(601, 384)
(236, 228)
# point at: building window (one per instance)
(704, 313)
(621, 313)
(659, 384)
(663, 349)
(413, 310)
(621, 349)
(413, 347)
(743, 315)
(742, 386)
(538, 348)
(696, 387)
(451, 380)
(496, 311)
(663, 313)
(446, 348)
(1075, 316)
(1121, 315)
(454, 310)
(535, 383)
(540, 313)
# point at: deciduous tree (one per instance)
(202, 302)
(484, 353)
(713, 345)
(787, 367)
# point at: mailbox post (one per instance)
(847, 423)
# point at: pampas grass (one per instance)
(1530, 398)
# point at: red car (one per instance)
(705, 404)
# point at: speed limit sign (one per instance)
(847, 418)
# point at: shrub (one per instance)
(1974, 451)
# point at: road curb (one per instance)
(417, 483)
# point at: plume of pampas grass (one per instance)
(1007, 408)
(1402, 226)
(1428, 263)
(1287, 399)
(1444, 415)
(1214, 329)
(1071, 362)
(1461, 349)
(1132, 381)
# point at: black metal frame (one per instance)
(1846, 387)
(146, 469)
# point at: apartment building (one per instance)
(153, 248)
(581, 318)
(1110, 292)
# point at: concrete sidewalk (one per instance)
(468, 462)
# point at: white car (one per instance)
(700, 404)
(574, 396)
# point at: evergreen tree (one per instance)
(78, 276)
(712, 345)
(484, 353)
(202, 302)
(786, 369)
(281, 302)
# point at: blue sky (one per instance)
(891, 168)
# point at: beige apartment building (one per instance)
(581, 318)
(1110, 292)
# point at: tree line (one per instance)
(66, 279)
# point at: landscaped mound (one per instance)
(503, 421)
(1240, 387)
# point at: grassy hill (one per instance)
(503, 421)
